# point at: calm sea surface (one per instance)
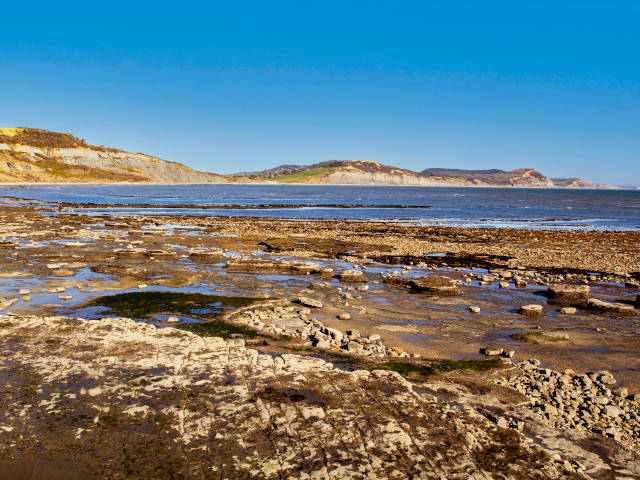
(516, 208)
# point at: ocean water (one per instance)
(470, 207)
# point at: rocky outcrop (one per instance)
(568, 293)
(610, 307)
(434, 285)
(132, 401)
(32, 155)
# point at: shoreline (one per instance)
(417, 317)
(510, 187)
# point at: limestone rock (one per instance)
(568, 293)
(351, 276)
(530, 310)
(611, 307)
(309, 302)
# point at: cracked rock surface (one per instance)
(119, 399)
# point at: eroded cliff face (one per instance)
(355, 177)
(373, 173)
(31, 155)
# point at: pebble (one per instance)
(579, 401)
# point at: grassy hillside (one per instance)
(300, 177)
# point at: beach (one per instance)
(259, 342)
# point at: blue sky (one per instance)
(235, 86)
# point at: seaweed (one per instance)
(417, 369)
(145, 304)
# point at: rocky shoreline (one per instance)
(587, 401)
(207, 406)
(279, 349)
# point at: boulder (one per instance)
(351, 276)
(610, 307)
(309, 302)
(568, 293)
(531, 310)
(62, 272)
(568, 310)
(435, 285)
(491, 352)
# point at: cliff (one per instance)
(33, 155)
(361, 172)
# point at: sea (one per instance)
(441, 206)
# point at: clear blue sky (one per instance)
(231, 86)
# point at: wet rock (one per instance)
(610, 307)
(285, 266)
(4, 304)
(133, 252)
(62, 272)
(344, 316)
(433, 285)
(530, 310)
(491, 352)
(351, 276)
(568, 293)
(309, 302)
(568, 310)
